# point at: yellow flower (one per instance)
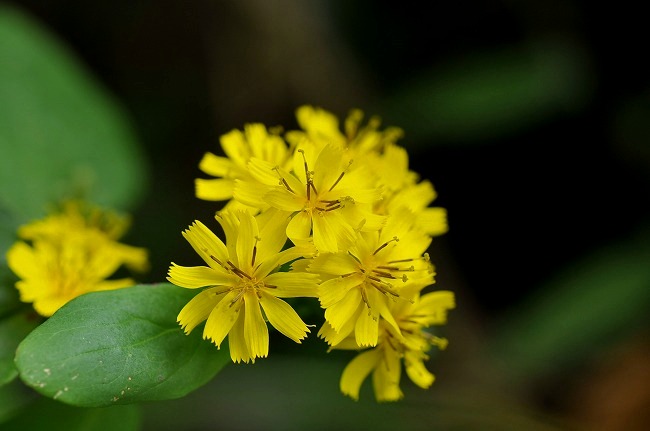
(240, 277)
(326, 199)
(409, 345)
(70, 253)
(239, 147)
(322, 128)
(403, 189)
(386, 161)
(360, 284)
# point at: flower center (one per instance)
(317, 202)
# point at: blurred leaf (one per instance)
(50, 415)
(61, 133)
(13, 398)
(13, 330)
(577, 314)
(489, 95)
(9, 299)
(118, 347)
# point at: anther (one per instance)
(385, 244)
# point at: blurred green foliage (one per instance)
(490, 95)
(61, 133)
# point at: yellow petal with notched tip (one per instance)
(222, 318)
(284, 318)
(256, 333)
(199, 308)
(193, 277)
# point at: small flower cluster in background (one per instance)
(72, 251)
(327, 213)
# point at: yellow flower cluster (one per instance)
(71, 252)
(327, 212)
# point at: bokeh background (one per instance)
(532, 120)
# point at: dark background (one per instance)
(531, 183)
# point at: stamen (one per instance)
(216, 260)
(364, 296)
(237, 298)
(379, 280)
(255, 250)
(329, 208)
(340, 176)
(355, 258)
(308, 174)
(282, 180)
(384, 274)
(402, 260)
(384, 289)
(311, 182)
(238, 271)
(385, 244)
(270, 286)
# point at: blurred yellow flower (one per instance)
(241, 277)
(71, 252)
(407, 342)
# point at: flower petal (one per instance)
(385, 379)
(246, 241)
(21, 258)
(344, 310)
(342, 336)
(213, 189)
(284, 200)
(283, 317)
(334, 263)
(198, 309)
(250, 193)
(293, 284)
(216, 166)
(222, 318)
(206, 244)
(332, 291)
(237, 342)
(256, 333)
(416, 370)
(432, 308)
(366, 329)
(272, 232)
(433, 220)
(193, 277)
(300, 226)
(356, 372)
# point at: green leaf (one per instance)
(583, 310)
(61, 132)
(118, 347)
(492, 94)
(13, 330)
(46, 414)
